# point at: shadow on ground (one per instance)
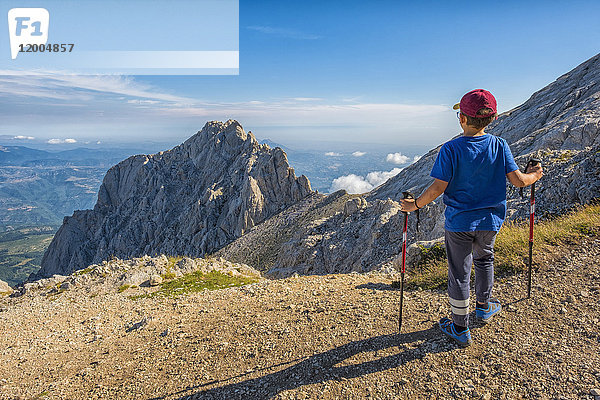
(322, 367)
(378, 286)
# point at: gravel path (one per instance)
(313, 337)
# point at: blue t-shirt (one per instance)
(475, 168)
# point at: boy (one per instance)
(471, 171)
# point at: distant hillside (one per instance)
(24, 156)
(16, 155)
(39, 188)
(21, 252)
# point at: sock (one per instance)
(482, 307)
(460, 329)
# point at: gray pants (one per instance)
(465, 249)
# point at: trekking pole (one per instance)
(533, 162)
(406, 195)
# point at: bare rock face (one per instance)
(559, 124)
(5, 288)
(190, 200)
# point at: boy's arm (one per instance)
(437, 187)
(520, 179)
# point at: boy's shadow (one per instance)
(323, 367)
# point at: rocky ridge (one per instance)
(190, 200)
(139, 276)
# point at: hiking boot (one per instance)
(485, 314)
(463, 338)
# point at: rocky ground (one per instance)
(309, 337)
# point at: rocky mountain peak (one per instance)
(190, 200)
(230, 132)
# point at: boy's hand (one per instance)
(535, 170)
(408, 205)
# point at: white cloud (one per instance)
(358, 184)
(416, 158)
(142, 102)
(21, 137)
(61, 141)
(358, 153)
(376, 178)
(397, 158)
(307, 98)
(351, 183)
(332, 154)
(61, 86)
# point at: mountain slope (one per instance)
(190, 200)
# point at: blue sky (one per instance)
(382, 72)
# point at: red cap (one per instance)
(474, 101)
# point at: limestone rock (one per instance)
(137, 278)
(5, 288)
(142, 274)
(155, 280)
(353, 205)
(186, 265)
(190, 200)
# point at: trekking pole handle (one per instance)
(533, 162)
(407, 195)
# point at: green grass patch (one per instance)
(83, 271)
(21, 252)
(512, 243)
(511, 250)
(432, 270)
(197, 282)
(172, 261)
(123, 288)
